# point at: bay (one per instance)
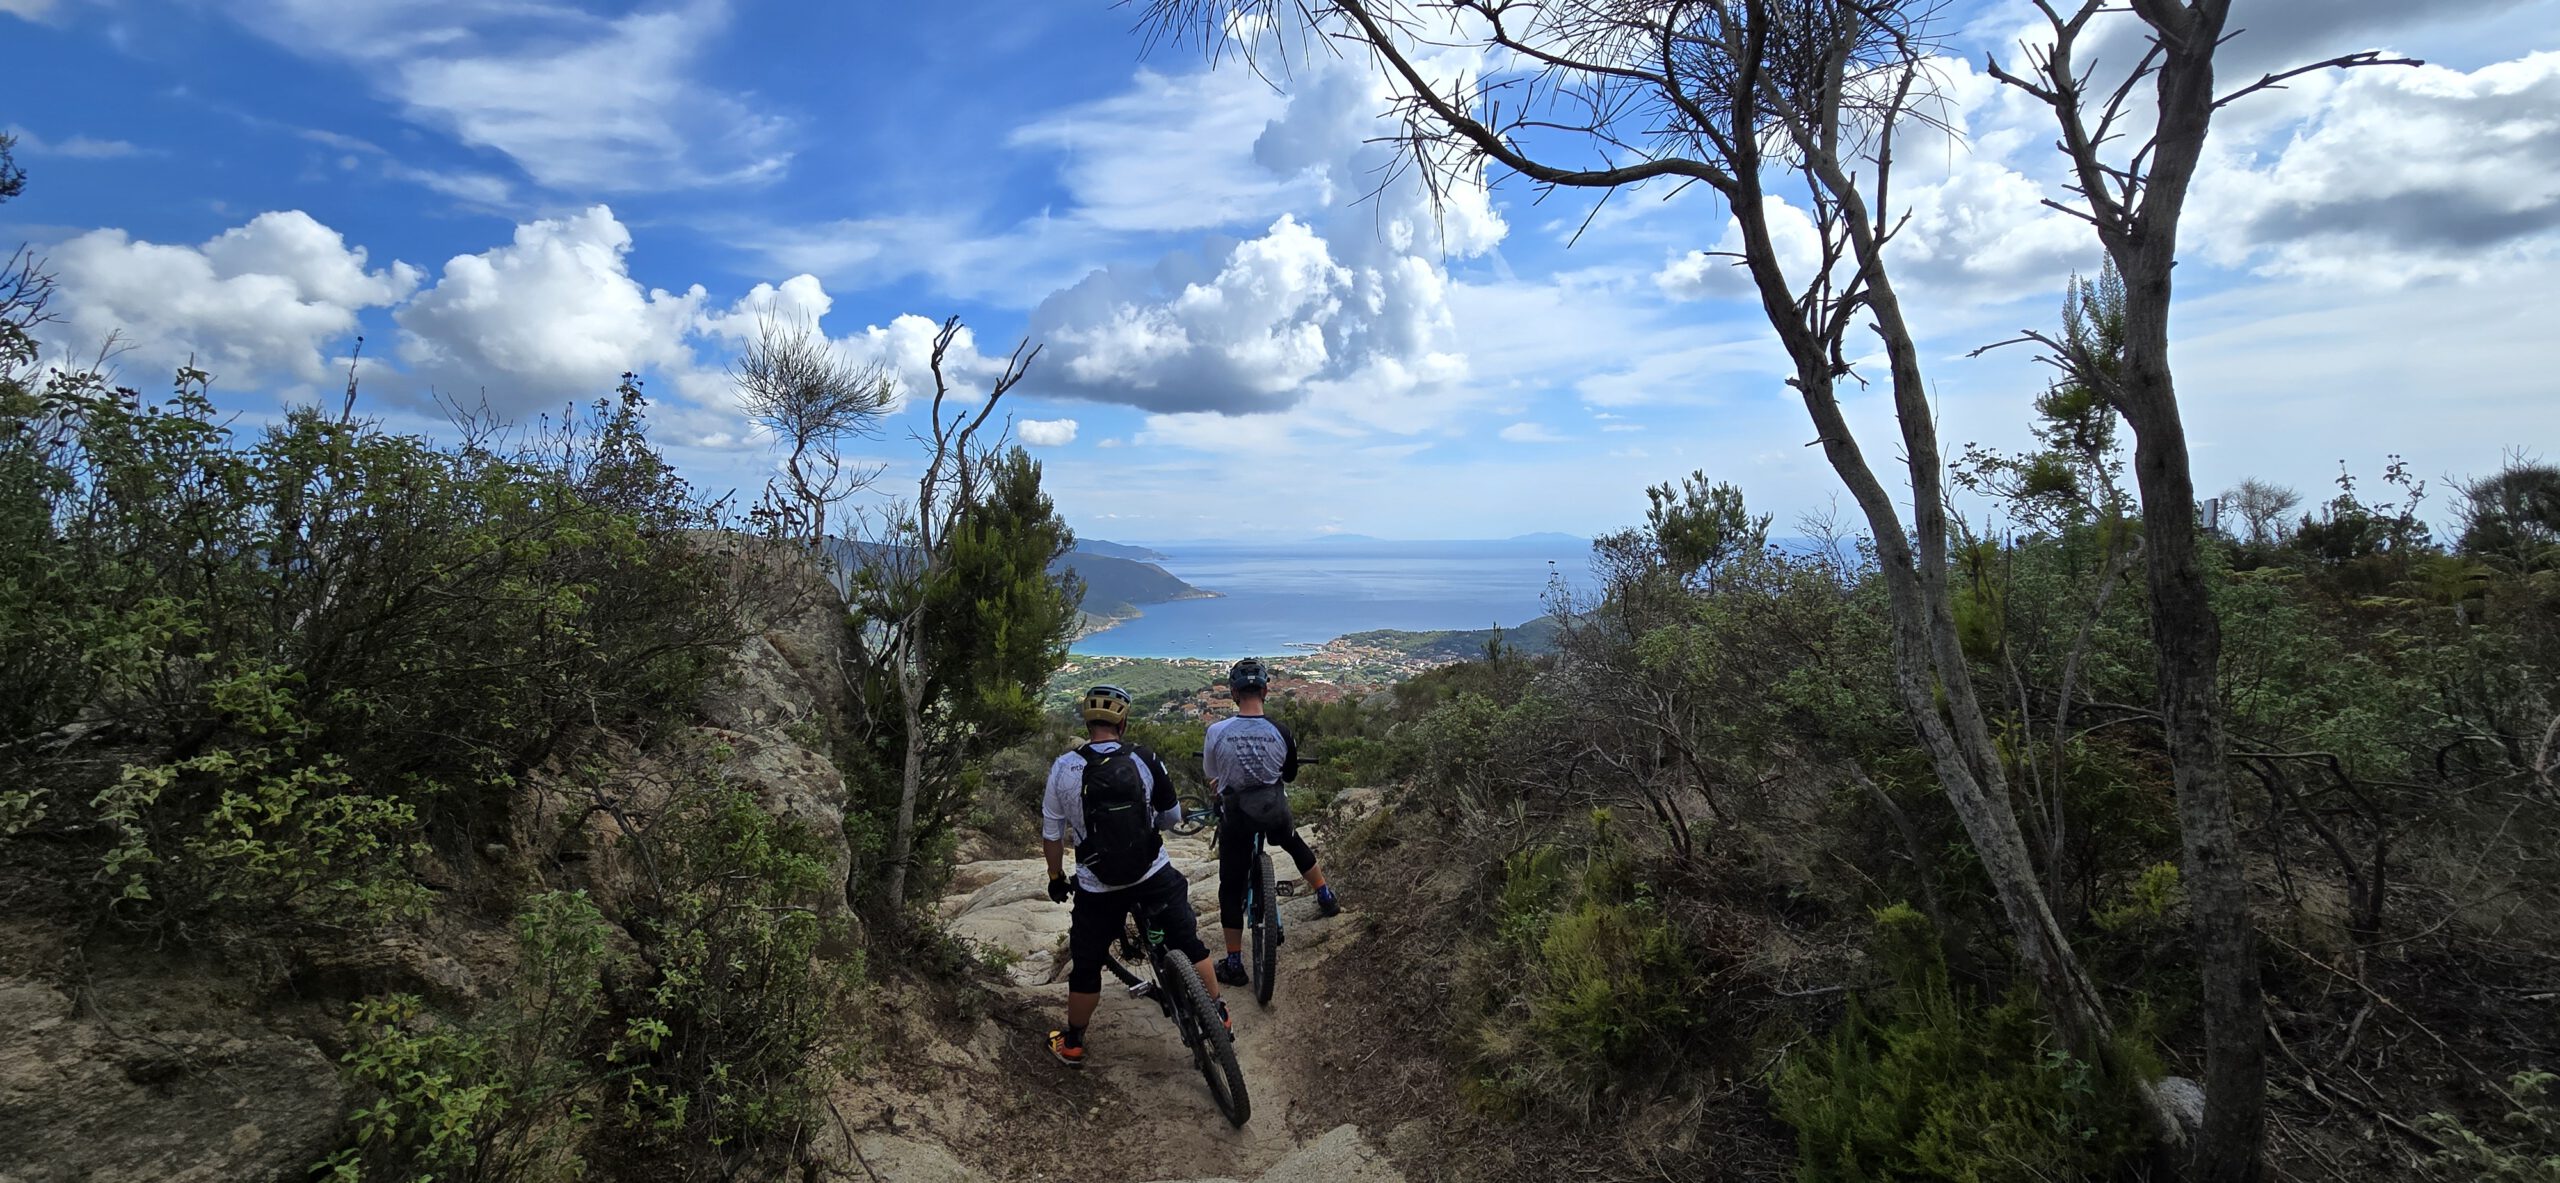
(1278, 599)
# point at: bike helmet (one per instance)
(1107, 704)
(1248, 675)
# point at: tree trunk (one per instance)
(902, 836)
(2184, 630)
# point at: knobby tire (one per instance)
(1266, 928)
(1213, 1047)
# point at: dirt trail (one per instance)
(997, 1107)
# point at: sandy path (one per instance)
(1001, 1108)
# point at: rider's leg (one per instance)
(1181, 927)
(1235, 875)
(1090, 929)
(1303, 855)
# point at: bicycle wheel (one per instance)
(1213, 1047)
(1191, 805)
(1266, 928)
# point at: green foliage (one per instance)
(2526, 1149)
(507, 1095)
(1586, 988)
(2147, 902)
(1941, 1087)
(721, 1057)
(13, 180)
(319, 647)
(1692, 531)
(2512, 517)
(995, 623)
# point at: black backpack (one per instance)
(1120, 840)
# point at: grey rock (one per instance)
(143, 1103)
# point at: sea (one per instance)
(1284, 598)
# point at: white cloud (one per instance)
(260, 302)
(33, 10)
(77, 147)
(1047, 433)
(2394, 175)
(1173, 152)
(1353, 291)
(1530, 433)
(1719, 274)
(579, 102)
(554, 314)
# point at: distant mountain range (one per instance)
(1119, 550)
(1542, 538)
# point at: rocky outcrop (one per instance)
(155, 1096)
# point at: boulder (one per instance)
(148, 1100)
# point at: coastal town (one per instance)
(1356, 665)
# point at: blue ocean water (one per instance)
(1279, 598)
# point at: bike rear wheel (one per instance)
(1213, 1047)
(1191, 805)
(1266, 928)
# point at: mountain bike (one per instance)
(1178, 989)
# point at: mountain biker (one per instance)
(1112, 797)
(1250, 759)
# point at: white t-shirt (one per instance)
(1062, 812)
(1242, 751)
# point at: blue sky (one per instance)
(518, 199)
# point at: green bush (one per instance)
(508, 1095)
(2526, 1150)
(721, 1056)
(1938, 1086)
(1585, 987)
(266, 669)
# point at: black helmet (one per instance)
(1107, 704)
(1249, 674)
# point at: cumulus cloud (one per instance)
(552, 314)
(1719, 274)
(1347, 287)
(2396, 175)
(1047, 433)
(578, 101)
(262, 302)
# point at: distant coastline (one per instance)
(1120, 614)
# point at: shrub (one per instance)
(506, 1096)
(720, 1057)
(1586, 985)
(2527, 1150)
(1937, 1086)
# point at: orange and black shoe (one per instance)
(1068, 1046)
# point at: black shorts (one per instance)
(1235, 864)
(1101, 916)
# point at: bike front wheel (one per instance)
(1213, 1047)
(1192, 808)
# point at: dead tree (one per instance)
(2132, 193)
(1753, 99)
(792, 383)
(911, 551)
